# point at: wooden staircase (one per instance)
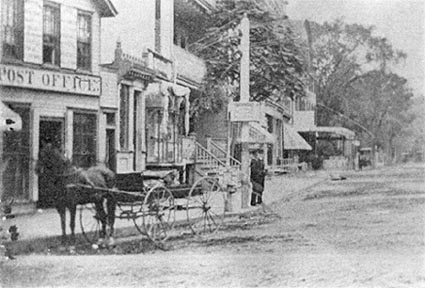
(212, 162)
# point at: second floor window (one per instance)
(51, 34)
(84, 41)
(13, 28)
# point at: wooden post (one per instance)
(244, 97)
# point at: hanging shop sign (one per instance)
(50, 80)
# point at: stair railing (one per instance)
(234, 163)
(207, 158)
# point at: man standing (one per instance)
(258, 174)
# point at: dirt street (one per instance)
(365, 231)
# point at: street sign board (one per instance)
(244, 111)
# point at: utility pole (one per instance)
(244, 98)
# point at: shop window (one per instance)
(84, 142)
(124, 116)
(84, 41)
(51, 33)
(13, 29)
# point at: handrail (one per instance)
(233, 162)
(204, 154)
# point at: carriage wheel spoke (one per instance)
(160, 214)
(203, 216)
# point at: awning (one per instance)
(9, 119)
(347, 133)
(292, 140)
(256, 134)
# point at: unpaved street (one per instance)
(365, 231)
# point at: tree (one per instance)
(276, 68)
(351, 68)
(381, 102)
(412, 139)
(342, 54)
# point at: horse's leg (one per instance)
(102, 217)
(111, 206)
(62, 214)
(72, 212)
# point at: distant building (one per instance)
(157, 78)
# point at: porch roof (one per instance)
(347, 133)
(107, 9)
(256, 134)
(292, 140)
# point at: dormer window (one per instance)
(51, 34)
(84, 41)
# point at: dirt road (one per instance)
(365, 231)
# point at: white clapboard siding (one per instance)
(109, 97)
(95, 54)
(167, 10)
(33, 31)
(68, 37)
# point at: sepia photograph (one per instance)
(212, 143)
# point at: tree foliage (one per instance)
(342, 54)
(381, 102)
(351, 68)
(276, 68)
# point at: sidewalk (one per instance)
(45, 224)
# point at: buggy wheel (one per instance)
(205, 205)
(90, 223)
(159, 214)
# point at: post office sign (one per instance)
(38, 79)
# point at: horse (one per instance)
(93, 177)
(64, 179)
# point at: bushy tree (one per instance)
(354, 83)
(380, 101)
(276, 68)
(342, 54)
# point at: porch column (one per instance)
(187, 114)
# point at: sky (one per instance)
(402, 22)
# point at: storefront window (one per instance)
(84, 144)
(13, 28)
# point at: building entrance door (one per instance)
(51, 133)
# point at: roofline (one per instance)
(107, 8)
